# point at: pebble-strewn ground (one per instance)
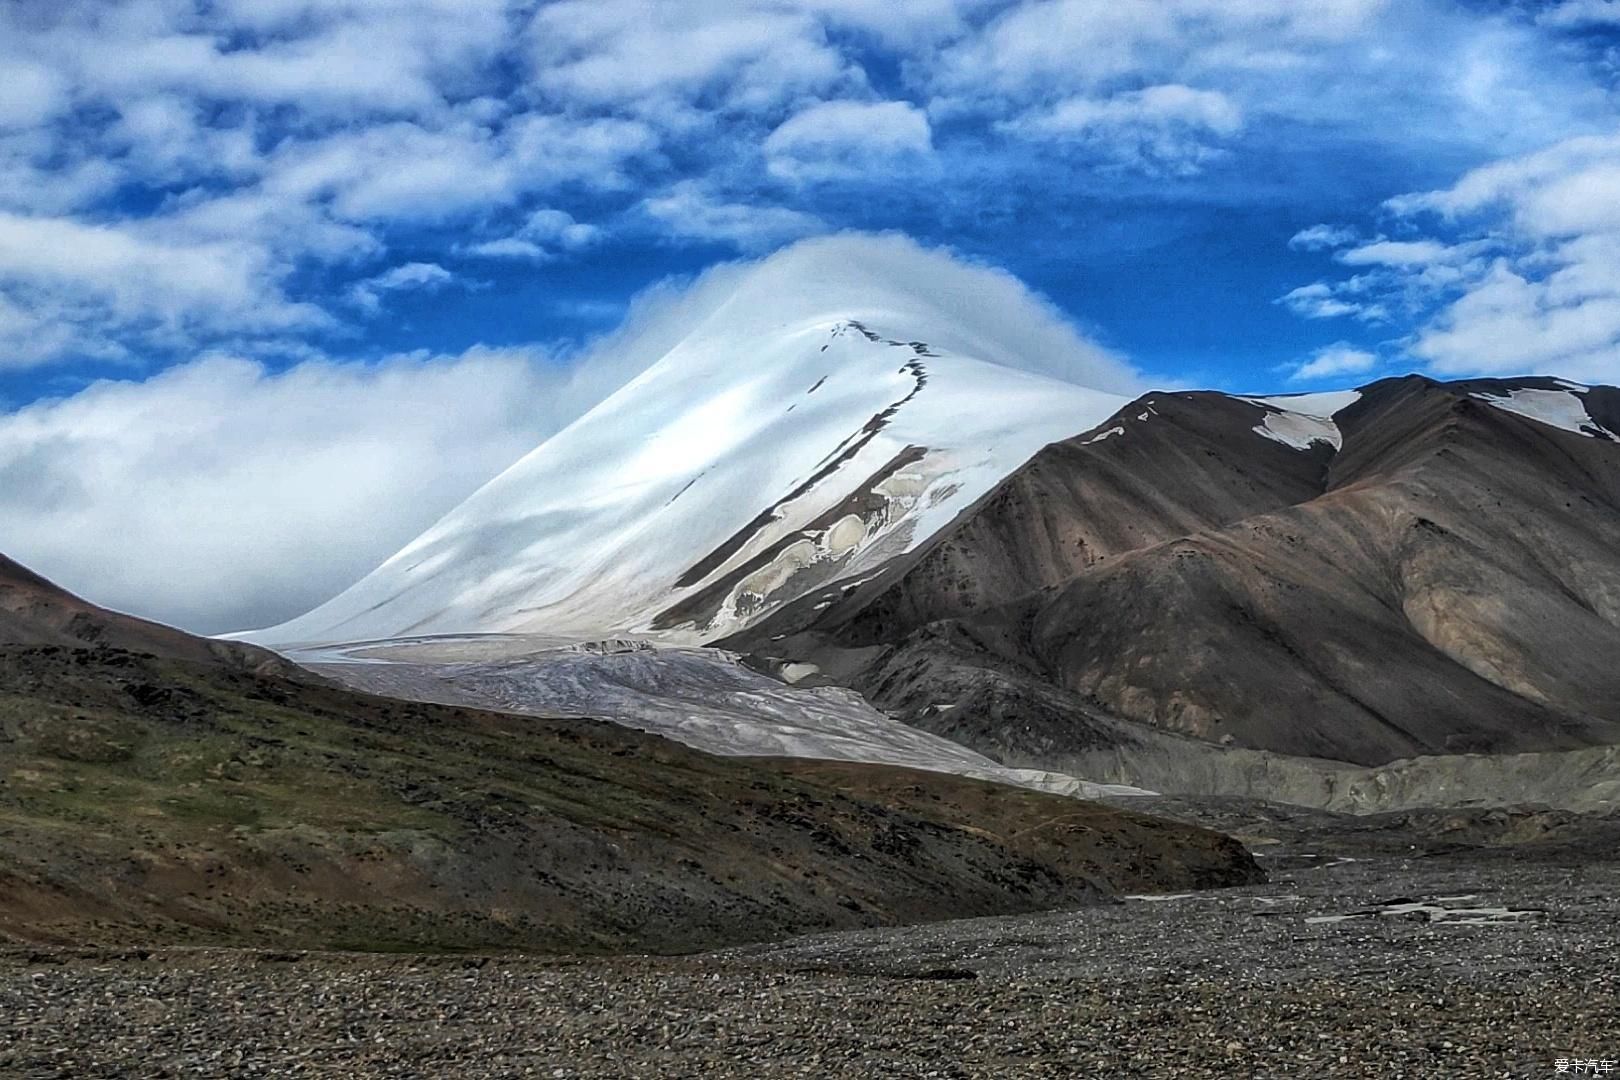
(1229, 984)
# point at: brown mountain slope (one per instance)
(34, 611)
(1158, 469)
(1452, 585)
(167, 796)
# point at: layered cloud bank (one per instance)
(220, 488)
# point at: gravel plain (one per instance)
(1259, 981)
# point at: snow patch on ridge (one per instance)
(1325, 403)
(1100, 436)
(1302, 420)
(1298, 430)
(1562, 409)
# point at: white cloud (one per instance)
(544, 149)
(1156, 106)
(41, 175)
(1334, 361)
(1565, 189)
(1397, 276)
(107, 280)
(1581, 13)
(1398, 253)
(256, 139)
(300, 132)
(1168, 128)
(234, 495)
(415, 275)
(912, 25)
(165, 138)
(1323, 237)
(1415, 266)
(137, 275)
(841, 139)
(1053, 45)
(656, 58)
(45, 329)
(1490, 183)
(1507, 324)
(543, 233)
(559, 227)
(1417, 78)
(405, 171)
(407, 277)
(1519, 272)
(215, 266)
(996, 317)
(285, 229)
(30, 93)
(1322, 300)
(509, 247)
(688, 211)
(387, 58)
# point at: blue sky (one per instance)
(277, 224)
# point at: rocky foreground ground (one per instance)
(1447, 966)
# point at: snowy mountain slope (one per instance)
(762, 457)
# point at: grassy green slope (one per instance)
(160, 800)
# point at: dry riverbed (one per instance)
(1447, 966)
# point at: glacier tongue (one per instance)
(730, 477)
(706, 698)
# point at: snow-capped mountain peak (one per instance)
(737, 473)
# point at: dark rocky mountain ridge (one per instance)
(1445, 581)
